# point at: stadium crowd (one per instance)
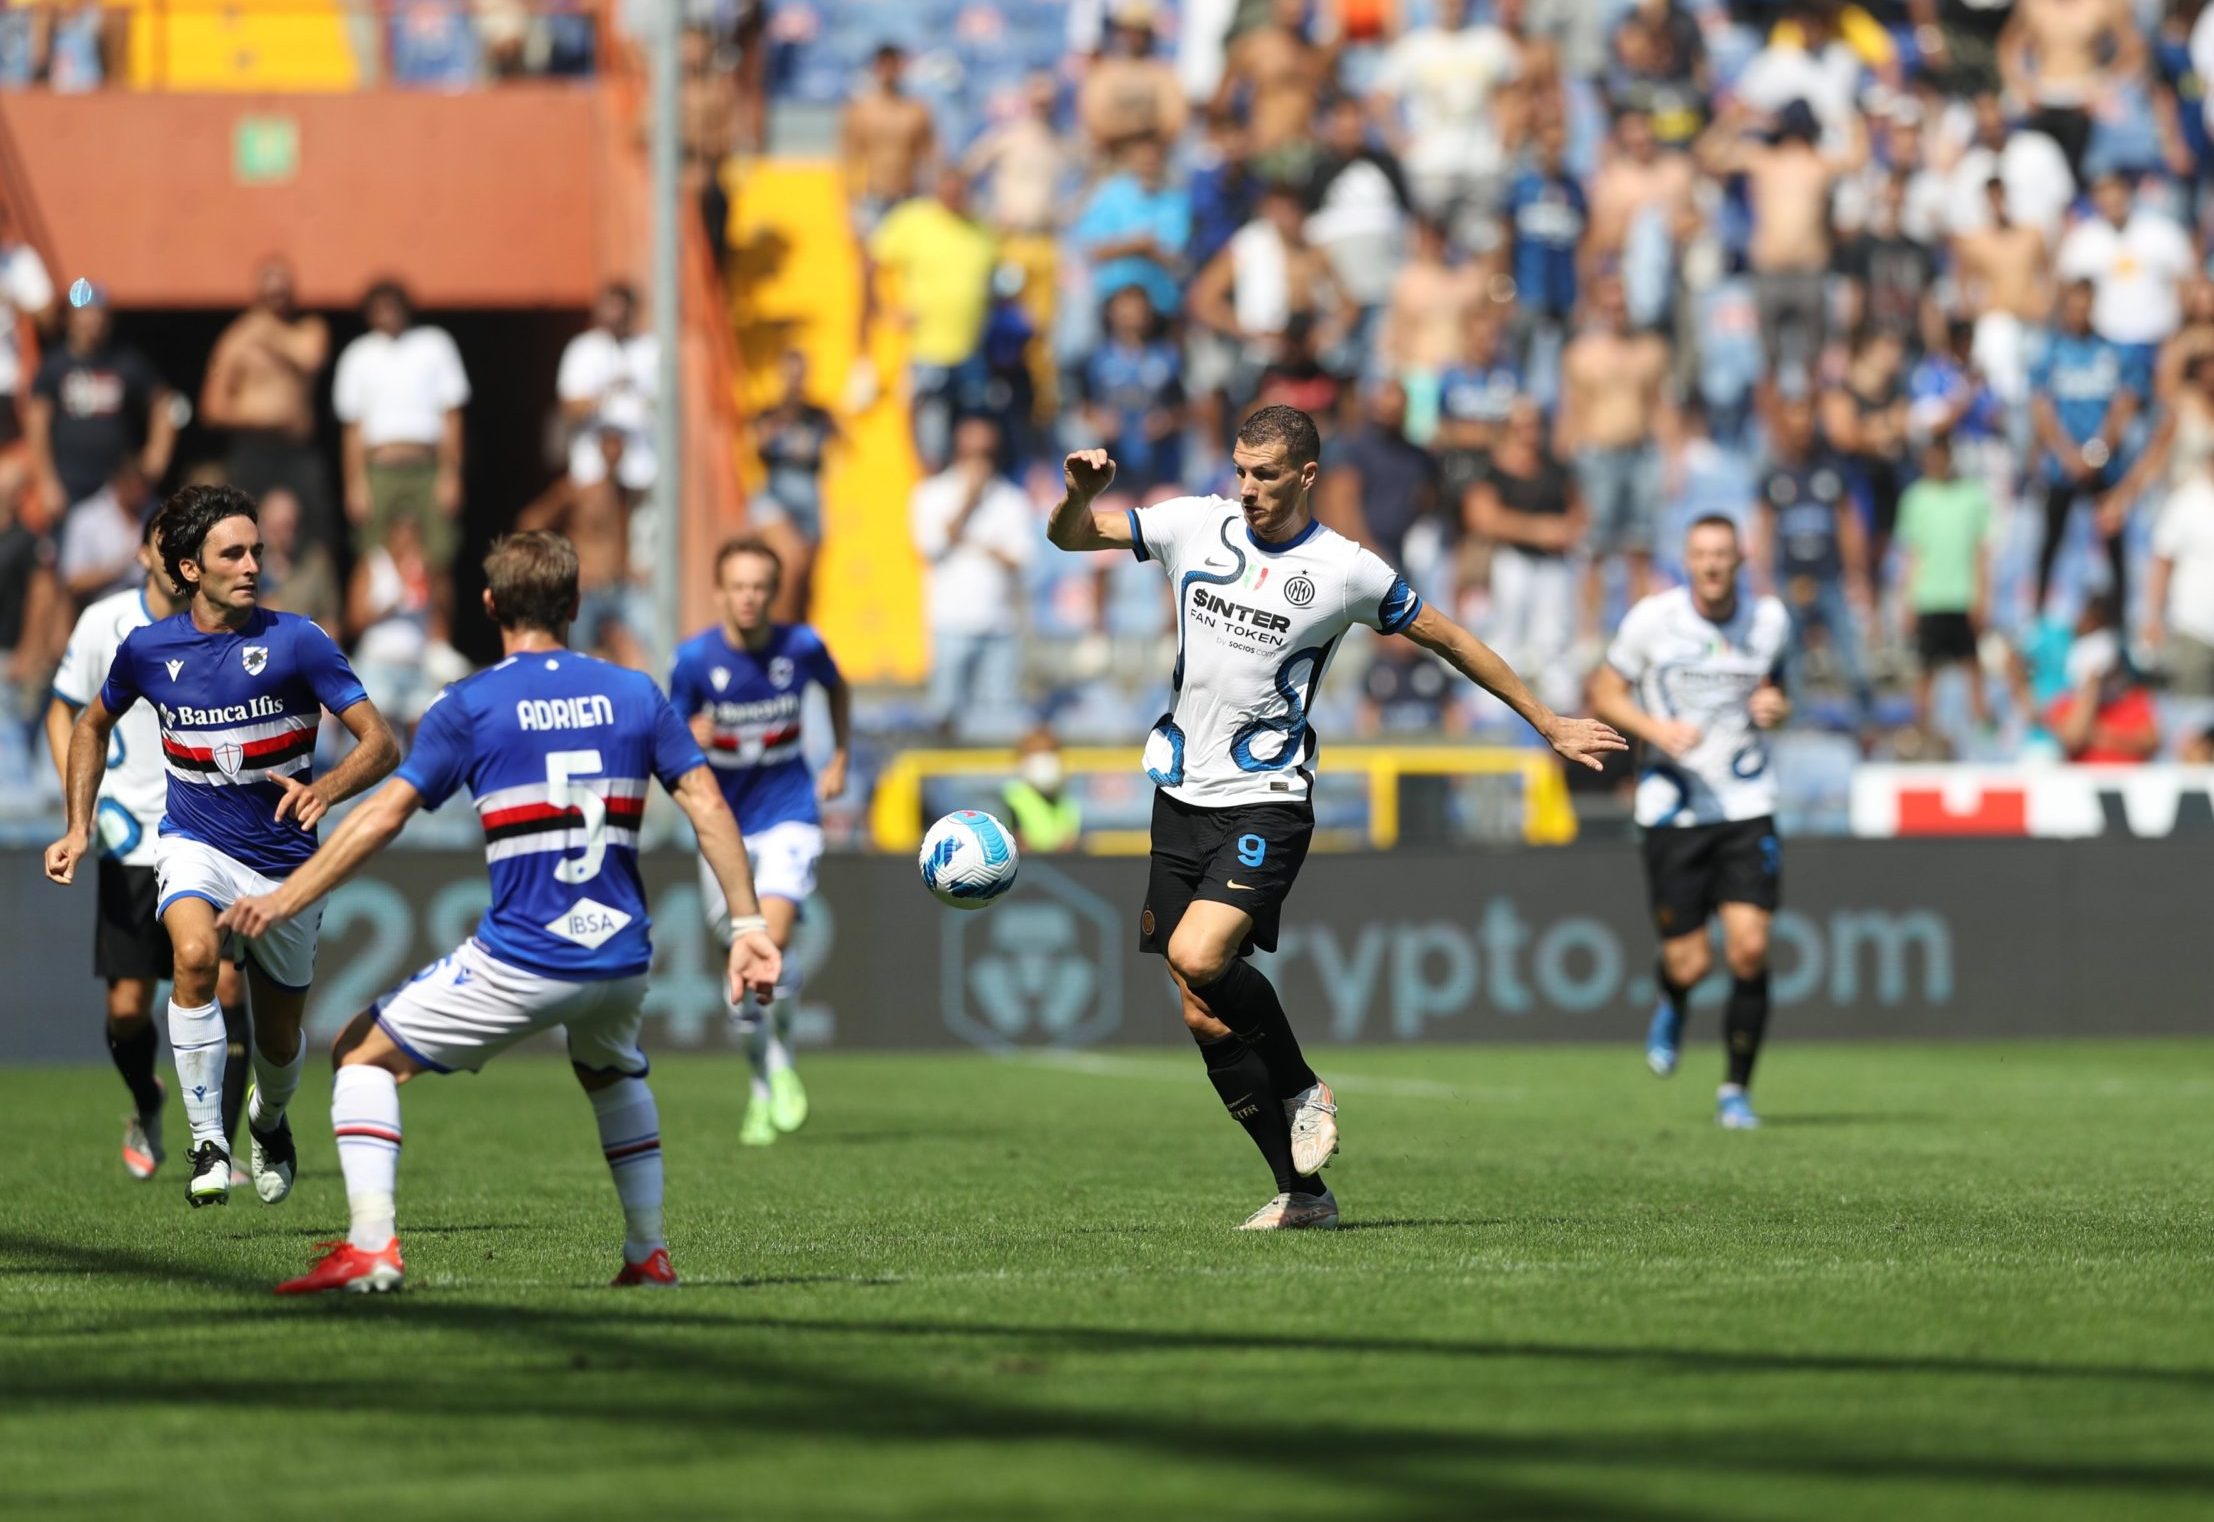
(1917, 291)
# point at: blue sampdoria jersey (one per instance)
(752, 701)
(556, 749)
(239, 709)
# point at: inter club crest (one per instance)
(255, 657)
(781, 671)
(720, 676)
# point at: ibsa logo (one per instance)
(588, 923)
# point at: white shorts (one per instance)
(188, 869)
(783, 857)
(465, 1009)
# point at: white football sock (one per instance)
(365, 1117)
(274, 1085)
(197, 1041)
(630, 1136)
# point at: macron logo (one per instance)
(588, 923)
(174, 668)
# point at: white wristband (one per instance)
(746, 924)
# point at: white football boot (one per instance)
(1313, 1114)
(1294, 1212)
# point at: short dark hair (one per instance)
(623, 289)
(184, 521)
(748, 544)
(1283, 425)
(533, 581)
(1712, 520)
(389, 288)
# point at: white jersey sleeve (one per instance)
(134, 790)
(1161, 532)
(1631, 651)
(1378, 596)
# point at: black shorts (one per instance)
(1247, 856)
(1692, 868)
(128, 940)
(1944, 639)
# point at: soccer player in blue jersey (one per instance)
(240, 692)
(740, 684)
(556, 749)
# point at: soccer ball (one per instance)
(968, 860)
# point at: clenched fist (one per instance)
(1088, 472)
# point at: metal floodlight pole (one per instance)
(668, 28)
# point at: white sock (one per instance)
(365, 1117)
(274, 1085)
(197, 1041)
(630, 1136)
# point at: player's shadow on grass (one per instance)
(1868, 1118)
(1412, 1223)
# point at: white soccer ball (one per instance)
(968, 859)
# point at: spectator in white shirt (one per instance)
(976, 532)
(25, 291)
(101, 535)
(2179, 593)
(398, 393)
(1445, 79)
(606, 384)
(2136, 260)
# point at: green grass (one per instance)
(1945, 1281)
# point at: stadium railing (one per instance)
(1548, 817)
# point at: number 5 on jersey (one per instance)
(562, 767)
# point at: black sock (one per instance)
(1743, 1022)
(1242, 1079)
(238, 1066)
(1677, 995)
(1245, 1000)
(133, 1045)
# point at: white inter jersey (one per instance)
(135, 791)
(1256, 625)
(1685, 666)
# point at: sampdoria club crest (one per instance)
(255, 657)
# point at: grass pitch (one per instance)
(1945, 1281)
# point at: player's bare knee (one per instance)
(197, 957)
(1747, 953)
(1196, 961)
(1688, 962)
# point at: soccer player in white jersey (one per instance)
(130, 949)
(556, 749)
(1264, 594)
(240, 691)
(1694, 672)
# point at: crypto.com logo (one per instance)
(1039, 968)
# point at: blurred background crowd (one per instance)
(1917, 291)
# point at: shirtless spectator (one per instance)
(1420, 336)
(1021, 163)
(1252, 293)
(708, 109)
(614, 616)
(2064, 60)
(2004, 274)
(885, 143)
(1641, 192)
(1789, 182)
(1129, 92)
(1442, 81)
(1280, 74)
(261, 386)
(1611, 396)
(2038, 182)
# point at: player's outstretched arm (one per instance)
(1076, 524)
(1614, 702)
(375, 753)
(755, 962)
(362, 834)
(1582, 741)
(88, 756)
